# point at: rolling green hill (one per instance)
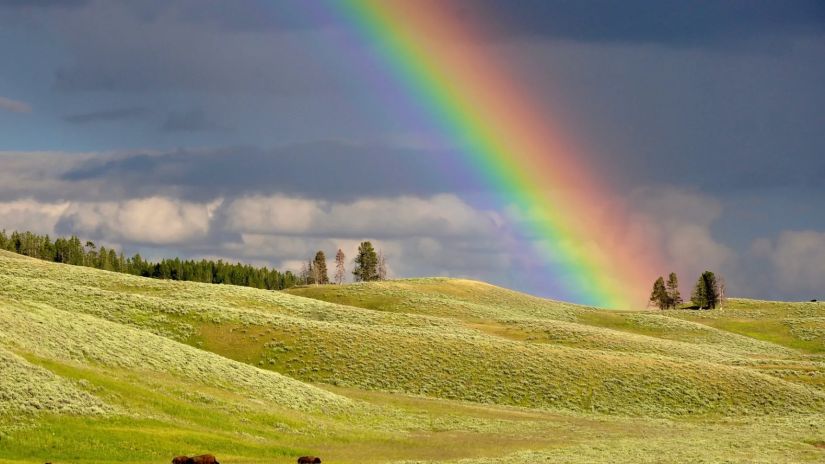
(104, 367)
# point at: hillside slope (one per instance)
(147, 369)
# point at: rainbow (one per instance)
(511, 144)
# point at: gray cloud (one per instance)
(709, 119)
(215, 50)
(37, 176)
(14, 106)
(327, 170)
(669, 22)
(195, 120)
(117, 114)
(797, 262)
(41, 4)
(681, 223)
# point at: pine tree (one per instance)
(699, 297)
(674, 298)
(310, 273)
(72, 251)
(712, 286)
(706, 291)
(320, 268)
(340, 272)
(103, 260)
(659, 294)
(366, 263)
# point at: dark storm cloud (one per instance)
(718, 121)
(195, 120)
(117, 114)
(674, 22)
(41, 4)
(193, 46)
(261, 47)
(327, 170)
(252, 15)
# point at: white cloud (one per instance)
(155, 220)
(27, 214)
(439, 215)
(438, 235)
(272, 214)
(14, 106)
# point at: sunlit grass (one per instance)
(104, 367)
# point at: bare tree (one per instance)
(722, 289)
(340, 272)
(303, 277)
(382, 266)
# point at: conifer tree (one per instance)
(659, 294)
(699, 296)
(320, 267)
(674, 298)
(340, 272)
(103, 260)
(72, 251)
(90, 255)
(706, 291)
(116, 265)
(366, 263)
(311, 277)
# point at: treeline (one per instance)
(708, 293)
(72, 251)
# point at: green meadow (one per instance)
(102, 367)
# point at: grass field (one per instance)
(104, 367)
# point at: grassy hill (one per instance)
(104, 367)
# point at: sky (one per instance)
(253, 131)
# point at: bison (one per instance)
(202, 459)
(309, 460)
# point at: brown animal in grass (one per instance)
(202, 459)
(309, 460)
(180, 459)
